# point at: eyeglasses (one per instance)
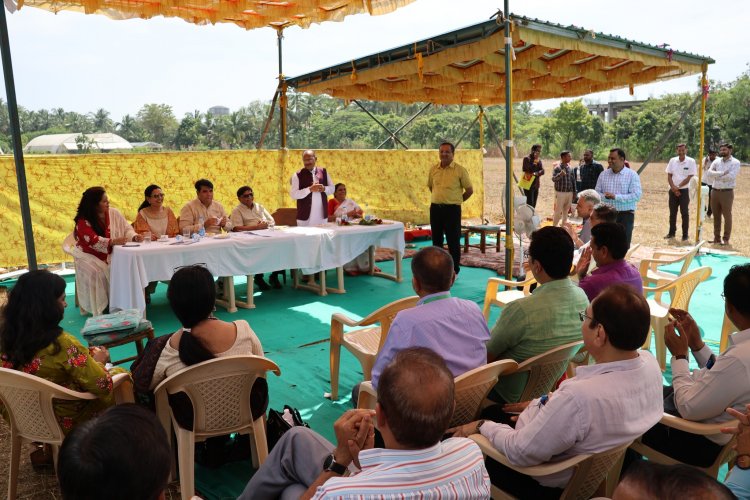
(247, 195)
(157, 195)
(723, 296)
(582, 316)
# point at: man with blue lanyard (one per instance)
(620, 187)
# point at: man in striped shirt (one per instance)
(620, 187)
(414, 409)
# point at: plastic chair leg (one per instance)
(335, 360)
(15, 459)
(186, 458)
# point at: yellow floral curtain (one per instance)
(389, 184)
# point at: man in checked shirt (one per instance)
(565, 188)
(620, 187)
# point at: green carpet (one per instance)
(294, 328)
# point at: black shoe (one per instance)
(684, 238)
(261, 282)
(669, 236)
(274, 280)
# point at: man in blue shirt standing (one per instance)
(620, 187)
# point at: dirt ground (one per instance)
(652, 215)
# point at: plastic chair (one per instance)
(546, 369)
(649, 268)
(28, 400)
(219, 390)
(681, 290)
(502, 298)
(471, 389)
(590, 471)
(364, 343)
(67, 246)
(726, 454)
(631, 251)
(727, 328)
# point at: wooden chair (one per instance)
(219, 390)
(681, 290)
(364, 343)
(590, 471)
(67, 246)
(28, 400)
(285, 216)
(546, 369)
(649, 268)
(726, 454)
(492, 295)
(471, 389)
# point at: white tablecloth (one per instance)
(309, 248)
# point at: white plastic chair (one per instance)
(726, 454)
(364, 343)
(219, 391)
(590, 471)
(494, 296)
(28, 400)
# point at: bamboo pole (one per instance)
(509, 250)
(704, 94)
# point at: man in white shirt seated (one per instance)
(722, 382)
(250, 216)
(604, 406)
(415, 405)
(204, 212)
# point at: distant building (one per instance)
(218, 111)
(154, 146)
(66, 143)
(608, 112)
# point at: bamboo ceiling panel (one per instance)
(248, 14)
(467, 66)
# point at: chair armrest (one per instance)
(344, 319)
(535, 470)
(695, 427)
(122, 387)
(368, 396)
(657, 289)
(510, 283)
(674, 255)
(647, 264)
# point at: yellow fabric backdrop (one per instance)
(389, 184)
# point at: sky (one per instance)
(86, 62)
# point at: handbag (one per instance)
(279, 422)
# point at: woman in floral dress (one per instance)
(32, 341)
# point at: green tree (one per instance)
(101, 121)
(158, 123)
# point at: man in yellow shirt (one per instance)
(450, 186)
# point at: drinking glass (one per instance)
(186, 233)
(147, 237)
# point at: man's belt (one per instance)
(725, 189)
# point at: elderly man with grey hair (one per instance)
(587, 200)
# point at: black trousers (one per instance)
(627, 219)
(531, 196)
(446, 220)
(683, 201)
(517, 484)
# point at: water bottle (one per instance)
(202, 230)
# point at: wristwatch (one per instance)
(330, 465)
(479, 426)
(680, 356)
(742, 462)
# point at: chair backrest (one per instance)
(689, 257)
(685, 285)
(28, 399)
(385, 315)
(630, 251)
(285, 216)
(219, 390)
(472, 387)
(68, 243)
(546, 369)
(590, 473)
(528, 280)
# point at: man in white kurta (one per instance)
(311, 186)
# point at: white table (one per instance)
(312, 249)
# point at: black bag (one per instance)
(276, 426)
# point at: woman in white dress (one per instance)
(98, 228)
